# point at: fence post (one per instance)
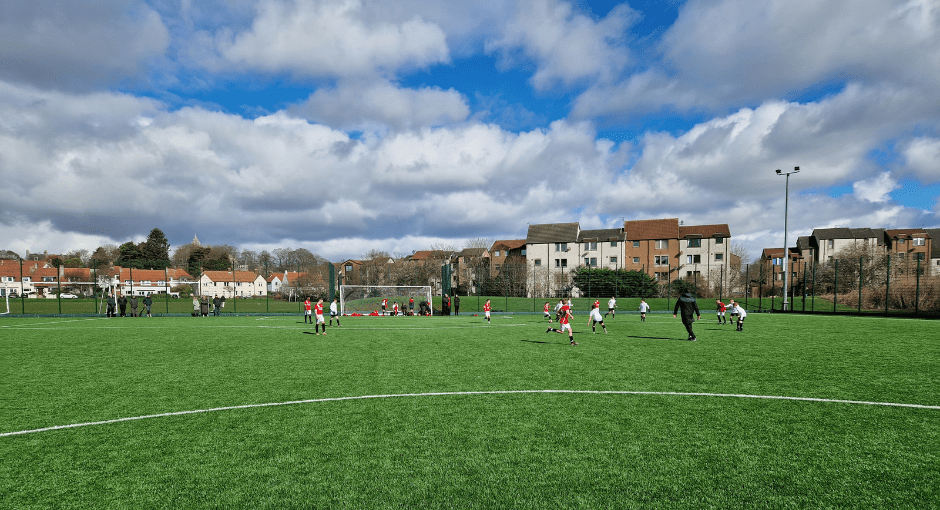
(860, 284)
(917, 290)
(804, 286)
(747, 286)
(835, 289)
(166, 281)
(888, 284)
(813, 302)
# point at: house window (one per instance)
(537, 262)
(561, 246)
(662, 244)
(661, 260)
(719, 240)
(719, 256)
(523, 252)
(613, 260)
(497, 267)
(831, 244)
(613, 244)
(590, 246)
(661, 276)
(695, 243)
(562, 263)
(496, 253)
(348, 268)
(27, 279)
(918, 241)
(901, 241)
(693, 273)
(636, 260)
(694, 259)
(592, 262)
(777, 261)
(6, 279)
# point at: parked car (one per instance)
(66, 295)
(14, 294)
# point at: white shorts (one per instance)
(487, 314)
(308, 312)
(320, 319)
(566, 326)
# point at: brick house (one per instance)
(908, 247)
(653, 247)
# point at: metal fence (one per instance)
(866, 285)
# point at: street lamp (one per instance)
(786, 251)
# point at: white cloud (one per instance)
(922, 156)
(333, 38)
(721, 54)
(377, 105)
(78, 45)
(567, 47)
(876, 189)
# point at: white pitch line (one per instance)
(452, 393)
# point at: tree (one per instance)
(105, 255)
(130, 256)
(155, 251)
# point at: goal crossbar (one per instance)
(366, 299)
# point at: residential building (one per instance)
(229, 284)
(602, 248)
(652, 246)
(504, 250)
(706, 253)
(934, 234)
(908, 248)
(830, 241)
(470, 266)
(553, 251)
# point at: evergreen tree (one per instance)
(130, 256)
(155, 251)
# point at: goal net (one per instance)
(366, 299)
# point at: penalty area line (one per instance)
(457, 393)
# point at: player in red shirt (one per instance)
(411, 305)
(597, 303)
(547, 312)
(486, 310)
(384, 305)
(565, 314)
(395, 309)
(318, 310)
(307, 311)
(721, 312)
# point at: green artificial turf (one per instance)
(466, 447)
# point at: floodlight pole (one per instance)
(786, 251)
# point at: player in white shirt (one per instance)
(334, 311)
(611, 305)
(741, 313)
(644, 307)
(595, 318)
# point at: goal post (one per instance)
(366, 299)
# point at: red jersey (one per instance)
(597, 304)
(307, 305)
(547, 308)
(564, 314)
(721, 306)
(395, 307)
(486, 307)
(319, 309)
(384, 303)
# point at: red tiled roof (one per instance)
(641, 230)
(228, 276)
(509, 244)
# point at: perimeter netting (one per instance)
(366, 299)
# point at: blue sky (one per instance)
(347, 126)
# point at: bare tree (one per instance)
(479, 242)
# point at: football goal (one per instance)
(366, 299)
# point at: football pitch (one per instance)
(452, 412)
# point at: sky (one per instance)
(344, 126)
